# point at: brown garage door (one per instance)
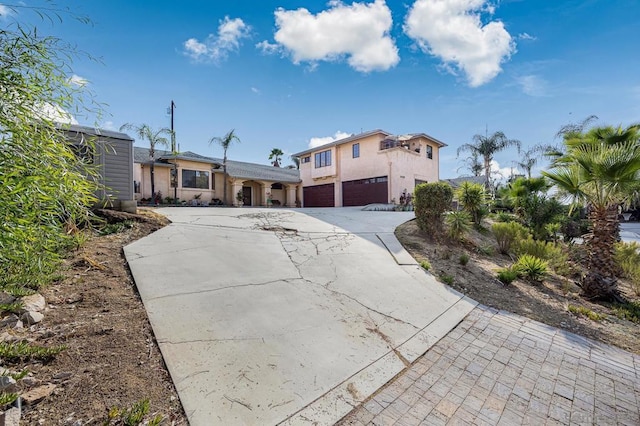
(319, 196)
(365, 191)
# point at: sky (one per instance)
(286, 74)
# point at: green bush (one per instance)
(629, 311)
(505, 217)
(446, 278)
(508, 233)
(586, 312)
(425, 265)
(531, 268)
(508, 275)
(464, 259)
(458, 224)
(472, 198)
(627, 258)
(431, 200)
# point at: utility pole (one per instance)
(174, 182)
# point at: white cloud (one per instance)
(6, 11)
(78, 81)
(526, 36)
(533, 85)
(500, 173)
(55, 113)
(217, 46)
(453, 31)
(358, 32)
(108, 125)
(316, 142)
(255, 90)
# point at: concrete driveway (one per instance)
(269, 316)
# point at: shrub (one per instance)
(557, 258)
(472, 197)
(425, 265)
(458, 224)
(505, 217)
(586, 312)
(629, 311)
(507, 233)
(446, 278)
(508, 275)
(463, 259)
(486, 249)
(531, 268)
(431, 200)
(627, 258)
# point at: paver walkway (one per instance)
(501, 368)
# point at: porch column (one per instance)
(266, 193)
(291, 195)
(235, 187)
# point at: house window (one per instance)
(195, 179)
(306, 159)
(213, 181)
(355, 149)
(323, 159)
(429, 151)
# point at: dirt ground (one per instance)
(547, 303)
(112, 359)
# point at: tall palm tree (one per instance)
(154, 138)
(276, 155)
(485, 147)
(225, 142)
(599, 168)
(528, 161)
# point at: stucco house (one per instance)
(113, 158)
(370, 167)
(200, 180)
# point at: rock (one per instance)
(9, 321)
(31, 317)
(6, 298)
(18, 324)
(7, 384)
(33, 303)
(29, 382)
(11, 417)
(35, 395)
(62, 376)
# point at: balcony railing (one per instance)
(393, 143)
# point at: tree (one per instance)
(154, 138)
(276, 154)
(473, 164)
(486, 147)
(225, 142)
(528, 161)
(599, 168)
(533, 206)
(431, 200)
(47, 191)
(296, 161)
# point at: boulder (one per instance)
(33, 303)
(32, 317)
(35, 395)
(6, 298)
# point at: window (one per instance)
(306, 159)
(429, 151)
(195, 179)
(213, 181)
(355, 149)
(323, 159)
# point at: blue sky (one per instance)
(286, 73)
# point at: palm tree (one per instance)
(296, 161)
(472, 163)
(529, 160)
(485, 147)
(276, 154)
(154, 138)
(225, 142)
(599, 168)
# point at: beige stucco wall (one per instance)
(402, 166)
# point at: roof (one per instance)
(355, 137)
(236, 169)
(456, 182)
(95, 131)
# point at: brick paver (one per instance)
(497, 368)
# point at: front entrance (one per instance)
(246, 195)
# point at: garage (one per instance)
(319, 196)
(361, 192)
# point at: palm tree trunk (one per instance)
(600, 281)
(487, 173)
(153, 182)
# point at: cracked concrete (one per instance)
(269, 316)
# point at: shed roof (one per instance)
(95, 131)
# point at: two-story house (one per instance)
(371, 167)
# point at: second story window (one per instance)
(323, 159)
(355, 149)
(306, 159)
(429, 151)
